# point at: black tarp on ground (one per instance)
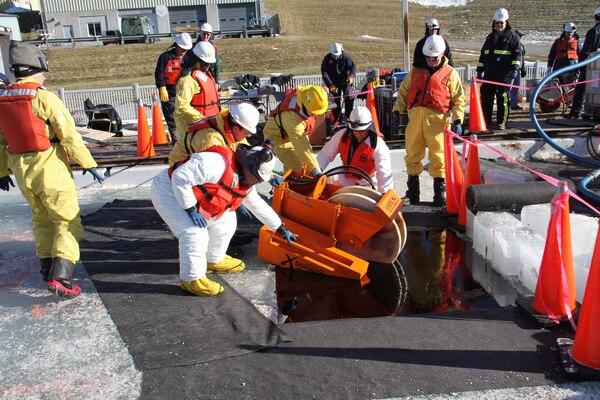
(377, 358)
(133, 262)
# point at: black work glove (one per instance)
(523, 73)
(5, 181)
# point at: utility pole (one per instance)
(405, 39)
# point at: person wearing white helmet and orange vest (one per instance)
(197, 94)
(166, 74)
(291, 122)
(194, 197)
(432, 27)
(37, 139)
(432, 96)
(359, 145)
(206, 35)
(565, 50)
(591, 43)
(499, 61)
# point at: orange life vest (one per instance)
(567, 49)
(171, 71)
(214, 199)
(362, 156)
(430, 91)
(289, 103)
(210, 122)
(24, 131)
(207, 101)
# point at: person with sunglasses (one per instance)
(499, 61)
(359, 145)
(432, 27)
(206, 35)
(434, 96)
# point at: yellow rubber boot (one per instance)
(228, 265)
(202, 287)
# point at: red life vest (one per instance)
(289, 103)
(210, 122)
(171, 71)
(207, 101)
(24, 131)
(567, 49)
(430, 91)
(214, 199)
(362, 157)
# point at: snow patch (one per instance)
(369, 37)
(441, 3)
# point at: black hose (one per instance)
(342, 169)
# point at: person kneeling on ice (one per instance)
(359, 145)
(196, 198)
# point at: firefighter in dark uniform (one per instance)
(166, 74)
(591, 43)
(339, 72)
(499, 61)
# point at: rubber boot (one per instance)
(202, 287)
(228, 265)
(414, 192)
(59, 279)
(439, 192)
(45, 265)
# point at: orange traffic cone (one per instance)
(586, 348)
(158, 128)
(454, 175)
(476, 118)
(472, 177)
(371, 105)
(555, 289)
(144, 143)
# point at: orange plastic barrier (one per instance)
(476, 118)
(144, 142)
(472, 177)
(454, 176)
(159, 135)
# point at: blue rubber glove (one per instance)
(244, 211)
(287, 235)
(457, 127)
(197, 218)
(95, 174)
(276, 180)
(5, 181)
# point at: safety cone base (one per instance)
(574, 369)
(525, 304)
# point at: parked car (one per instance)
(116, 34)
(257, 27)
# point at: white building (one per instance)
(79, 18)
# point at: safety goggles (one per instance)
(357, 125)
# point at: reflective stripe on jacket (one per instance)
(24, 131)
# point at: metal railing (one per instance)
(124, 99)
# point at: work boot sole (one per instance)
(60, 290)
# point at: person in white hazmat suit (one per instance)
(197, 199)
(359, 145)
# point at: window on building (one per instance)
(94, 28)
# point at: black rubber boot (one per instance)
(59, 279)
(45, 265)
(439, 192)
(413, 193)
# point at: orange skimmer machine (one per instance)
(339, 230)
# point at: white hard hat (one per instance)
(360, 119)
(434, 46)
(206, 27)
(245, 115)
(336, 49)
(501, 15)
(183, 40)
(569, 27)
(206, 52)
(432, 23)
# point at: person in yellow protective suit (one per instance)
(197, 93)
(37, 136)
(433, 96)
(291, 122)
(227, 128)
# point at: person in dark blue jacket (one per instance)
(590, 44)
(339, 71)
(166, 74)
(432, 27)
(499, 61)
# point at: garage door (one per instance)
(187, 17)
(233, 17)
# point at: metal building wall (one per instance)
(64, 6)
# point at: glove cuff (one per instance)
(192, 208)
(281, 230)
